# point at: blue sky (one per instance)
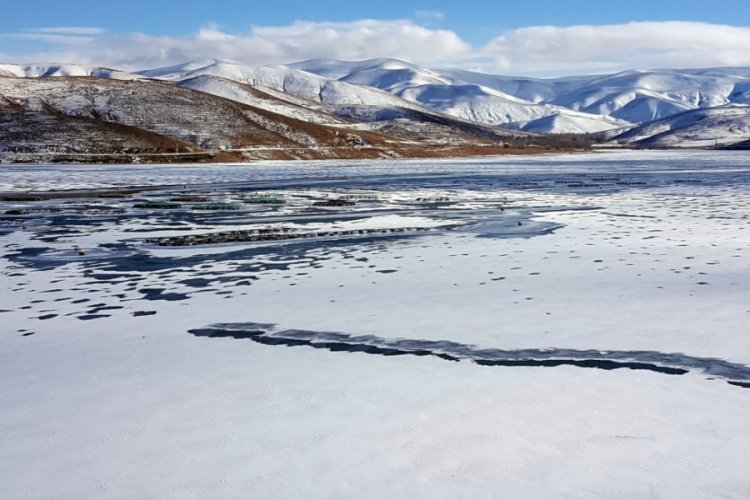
(472, 34)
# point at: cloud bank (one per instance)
(612, 47)
(530, 50)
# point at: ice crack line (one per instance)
(659, 362)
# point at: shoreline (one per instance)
(271, 154)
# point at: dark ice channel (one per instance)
(659, 362)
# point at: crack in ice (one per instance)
(666, 363)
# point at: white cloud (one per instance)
(68, 30)
(363, 39)
(61, 35)
(531, 50)
(621, 46)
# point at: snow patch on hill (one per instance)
(253, 96)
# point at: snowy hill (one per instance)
(180, 116)
(297, 83)
(407, 123)
(383, 73)
(277, 102)
(319, 99)
(83, 118)
(39, 71)
(381, 83)
(337, 70)
(536, 90)
(631, 96)
(720, 126)
(221, 105)
(641, 96)
(377, 89)
(484, 105)
(463, 94)
(571, 122)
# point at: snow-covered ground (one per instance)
(569, 326)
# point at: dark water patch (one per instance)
(654, 361)
(26, 252)
(89, 317)
(265, 258)
(160, 228)
(110, 277)
(584, 363)
(138, 314)
(103, 308)
(47, 316)
(196, 282)
(243, 282)
(159, 294)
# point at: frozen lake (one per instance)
(553, 326)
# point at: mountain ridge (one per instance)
(324, 106)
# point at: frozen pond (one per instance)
(549, 326)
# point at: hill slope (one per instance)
(328, 108)
(96, 116)
(719, 126)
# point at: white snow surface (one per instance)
(654, 258)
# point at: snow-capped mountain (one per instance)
(632, 96)
(319, 99)
(641, 96)
(220, 105)
(386, 84)
(463, 94)
(291, 81)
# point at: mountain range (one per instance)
(224, 110)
